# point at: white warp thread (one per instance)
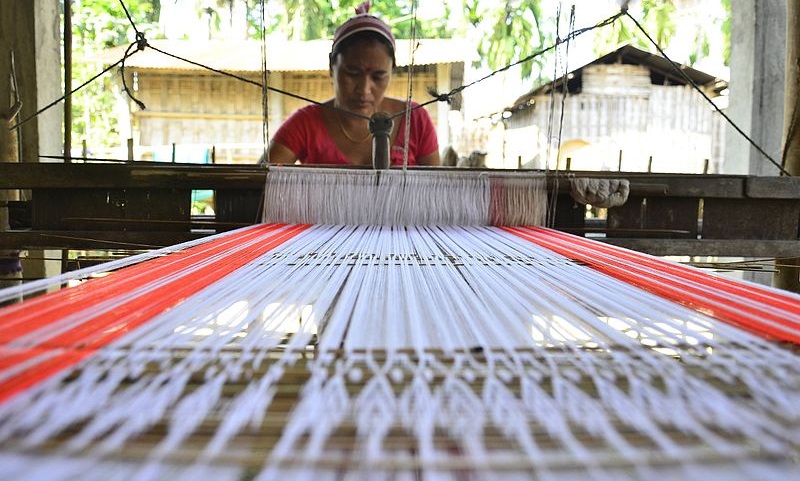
(482, 351)
(403, 198)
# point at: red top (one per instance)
(305, 134)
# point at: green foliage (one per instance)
(657, 21)
(97, 25)
(314, 19)
(514, 31)
(726, 32)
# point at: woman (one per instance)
(361, 63)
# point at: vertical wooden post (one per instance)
(130, 149)
(787, 272)
(67, 81)
(650, 164)
(619, 162)
(10, 106)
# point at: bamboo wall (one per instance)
(195, 111)
(619, 113)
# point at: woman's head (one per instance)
(361, 62)
(362, 26)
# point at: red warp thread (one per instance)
(765, 312)
(65, 349)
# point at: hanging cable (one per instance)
(694, 85)
(265, 85)
(412, 49)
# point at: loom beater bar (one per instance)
(759, 310)
(201, 266)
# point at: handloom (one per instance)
(398, 325)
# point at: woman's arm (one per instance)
(430, 159)
(279, 154)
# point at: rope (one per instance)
(130, 19)
(60, 99)
(447, 97)
(413, 48)
(141, 43)
(564, 92)
(265, 83)
(691, 82)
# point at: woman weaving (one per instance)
(361, 63)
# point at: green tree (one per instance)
(96, 25)
(660, 19)
(510, 31)
(726, 32)
(657, 19)
(315, 19)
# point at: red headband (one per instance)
(362, 22)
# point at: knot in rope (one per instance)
(446, 97)
(141, 41)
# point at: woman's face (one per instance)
(361, 74)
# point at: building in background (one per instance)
(191, 111)
(627, 110)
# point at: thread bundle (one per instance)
(306, 195)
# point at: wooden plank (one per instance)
(131, 175)
(568, 213)
(750, 219)
(773, 187)
(239, 205)
(155, 174)
(704, 247)
(114, 209)
(644, 184)
(692, 185)
(94, 239)
(675, 217)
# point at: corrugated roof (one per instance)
(628, 54)
(281, 55)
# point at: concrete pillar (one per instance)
(758, 45)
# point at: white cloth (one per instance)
(600, 192)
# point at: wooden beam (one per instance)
(144, 240)
(705, 247)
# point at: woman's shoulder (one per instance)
(308, 111)
(393, 105)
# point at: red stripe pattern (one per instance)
(50, 333)
(768, 312)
